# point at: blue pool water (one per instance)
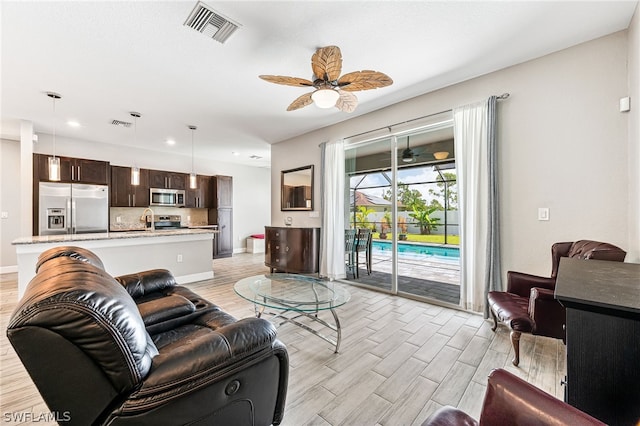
(418, 249)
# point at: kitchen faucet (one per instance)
(143, 217)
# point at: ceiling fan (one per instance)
(408, 156)
(330, 88)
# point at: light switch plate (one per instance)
(543, 213)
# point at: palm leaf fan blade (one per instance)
(326, 63)
(287, 81)
(347, 102)
(300, 102)
(364, 80)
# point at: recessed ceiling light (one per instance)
(235, 153)
(171, 142)
(73, 123)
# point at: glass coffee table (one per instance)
(295, 296)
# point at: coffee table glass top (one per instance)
(290, 291)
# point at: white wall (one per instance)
(562, 144)
(9, 202)
(251, 185)
(634, 137)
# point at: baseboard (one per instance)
(8, 269)
(192, 278)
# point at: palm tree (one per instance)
(421, 215)
(362, 217)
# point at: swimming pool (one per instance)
(418, 249)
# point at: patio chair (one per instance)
(350, 251)
(363, 244)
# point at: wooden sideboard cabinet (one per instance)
(293, 250)
(603, 337)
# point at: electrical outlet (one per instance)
(4, 215)
(188, 218)
(118, 219)
(179, 258)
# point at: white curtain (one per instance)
(332, 263)
(471, 140)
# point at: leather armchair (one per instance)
(529, 305)
(139, 349)
(509, 400)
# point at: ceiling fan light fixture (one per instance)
(325, 98)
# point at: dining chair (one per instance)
(350, 251)
(363, 245)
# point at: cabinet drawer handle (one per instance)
(79, 178)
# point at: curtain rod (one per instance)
(500, 98)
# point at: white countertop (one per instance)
(111, 236)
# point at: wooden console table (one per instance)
(603, 337)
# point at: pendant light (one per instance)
(135, 170)
(54, 162)
(193, 183)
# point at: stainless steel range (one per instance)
(161, 222)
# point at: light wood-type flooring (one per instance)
(399, 360)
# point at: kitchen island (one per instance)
(187, 253)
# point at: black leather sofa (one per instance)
(141, 350)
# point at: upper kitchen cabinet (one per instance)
(222, 192)
(123, 193)
(74, 170)
(201, 197)
(167, 180)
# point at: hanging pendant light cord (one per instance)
(54, 126)
(192, 130)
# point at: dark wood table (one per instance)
(603, 337)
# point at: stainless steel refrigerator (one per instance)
(73, 208)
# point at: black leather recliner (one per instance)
(139, 349)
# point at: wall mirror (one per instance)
(297, 189)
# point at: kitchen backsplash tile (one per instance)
(128, 218)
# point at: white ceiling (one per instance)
(108, 58)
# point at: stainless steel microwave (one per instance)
(166, 197)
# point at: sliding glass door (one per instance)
(403, 189)
(369, 177)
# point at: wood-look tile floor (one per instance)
(399, 360)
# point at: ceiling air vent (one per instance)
(121, 123)
(210, 23)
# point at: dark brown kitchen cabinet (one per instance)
(74, 170)
(168, 180)
(223, 192)
(201, 197)
(221, 214)
(603, 337)
(222, 241)
(293, 250)
(123, 193)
